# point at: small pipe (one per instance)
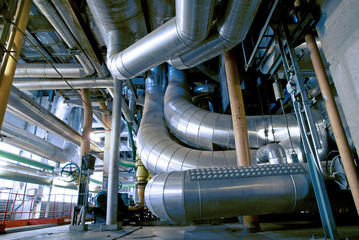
(133, 147)
(334, 118)
(9, 61)
(141, 196)
(273, 153)
(141, 175)
(106, 156)
(251, 223)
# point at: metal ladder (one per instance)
(302, 106)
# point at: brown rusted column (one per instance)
(87, 124)
(251, 223)
(334, 118)
(8, 65)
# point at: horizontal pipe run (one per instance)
(69, 16)
(52, 15)
(45, 119)
(22, 177)
(207, 130)
(230, 192)
(44, 70)
(29, 178)
(27, 141)
(46, 83)
(25, 160)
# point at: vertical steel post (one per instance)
(250, 223)
(9, 61)
(112, 194)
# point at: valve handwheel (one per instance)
(70, 172)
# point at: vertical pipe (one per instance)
(8, 65)
(106, 157)
(334, 118)
(112, 194)
(250, 223)
(87, 126)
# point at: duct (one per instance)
(44, 70)
(123, 15)
(229, 192)
(231, 29)
(189, 28)
(158, 152)
(68, 15)
(45, 119)
(51, 14)
(22, 139)
(272, 153)
(46, 83)
(206, 130)
(159, 12)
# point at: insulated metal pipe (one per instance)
(44, 70)
(231, 29)
(22, 139)
(158, 151)
(159, 12)
(9, 61)
(177, 35)
(21, 177)
(68, 15)
(229, 192)
(51, 14)
(207, 130)
(87, 123)
(112, 194)
(43, 118)
(112, 15)
(46, 83)
(272, 153)
(334, 118)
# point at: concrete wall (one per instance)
(338, 30)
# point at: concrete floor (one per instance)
(272, 231)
